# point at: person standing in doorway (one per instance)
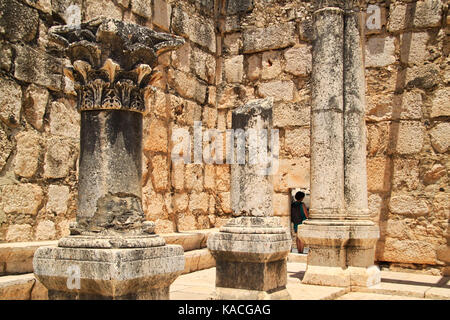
(299, 213)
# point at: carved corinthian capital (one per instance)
(113, 62)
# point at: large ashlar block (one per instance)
(250, 255)
(124, 273)
(341, 253)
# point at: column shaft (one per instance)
(327, 138)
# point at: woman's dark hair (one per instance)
(299, 195)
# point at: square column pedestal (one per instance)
(108, 272)
(341, 252)
(250, 255)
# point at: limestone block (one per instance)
(440, 137)
(413, 47)
(232, 43)
(254, 67)
(198, 260)
(225, 203)
(188, 86)
(64, 120)
(278, 89)
(298, 60)
(376, 205)
(209, 117)
(160, 172)
(155, 135)
(212, 209)
(297, 142)
(269, 38)
(161, 14)
(36, 99)
(405, 106)
(223, 178)
(60, 157)
(16, 287)
(271, 65)
(212, 96)
(5, 146)
(39, 291)
(95, 9)
(377, 138)
(210, 177)
(238, 6)
(423, 76)
(292, 173)
(408, 251)
(186, 222)
(199, 203)
(434, 174)
(441, 103)
(154, 206)
(157, 103)
(142, 8)
(408, 205)
(378, 174)
(198, 30)
(380, 51)
(203, 65)
(194, 177)
(19, 232)
(164, 226)
(281, 204)
(141, 273)
(10, 102)
(38, 67)
(18, 21)
(231, 96)
(234, 69)
(63, 227)
(21, 198)
(6, 56)
(58, 197)
(410, 137)
(26, 161)
(177, 175)
(422, 14)
(406, 174)
(181, 58)
(45, 230)
(180, 202)
(291, 114)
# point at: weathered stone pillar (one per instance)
(112, 252)
(251, 249)
(339, 234)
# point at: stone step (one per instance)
(196, 260)
(17, 257)
(22, 287)
(297, 257)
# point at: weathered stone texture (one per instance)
(298, 60)
(269, 38)
(420, 14)
(18, 21)
(35, 66)
(36, 99)
(58, 197)
(440, 137)
(10, 102)
(64, 120)
(59, 158)
(21, 198)
(5, 146)
(26, 161)
(380, 51)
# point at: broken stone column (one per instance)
(112, 252)
(251, 249)
(339, 233)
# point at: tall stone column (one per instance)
(112, 252)
(339, 233)
(251, 249)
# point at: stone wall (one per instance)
(235, 51)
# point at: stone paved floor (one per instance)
(199, 285)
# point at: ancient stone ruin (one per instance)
(98, 97)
